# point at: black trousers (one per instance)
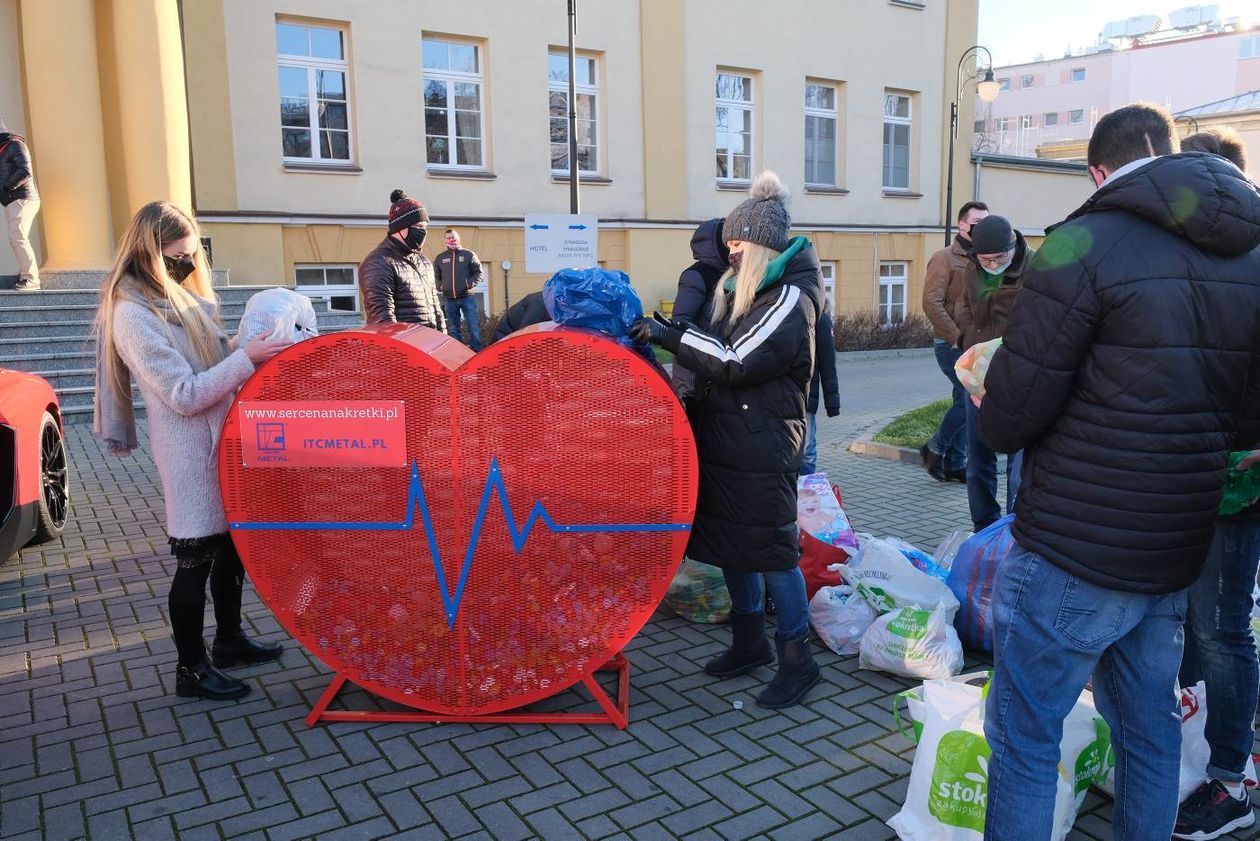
(203, 559)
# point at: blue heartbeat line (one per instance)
(494, 482)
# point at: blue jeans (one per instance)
(1052, 630)
(950, 440)
(809, 453)
(466, 308)
(1220, 650)
(982, 475)
(787, 588)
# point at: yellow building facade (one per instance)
(285, 125)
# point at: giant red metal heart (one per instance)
(541, 511)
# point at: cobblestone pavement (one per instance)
(93, 743)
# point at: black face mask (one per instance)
(179, 270)
(734, 260)
(415, 237)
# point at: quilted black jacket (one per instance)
(752, 379)
(17, 180)
(397, 285)
(1131, 361)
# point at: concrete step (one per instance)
(59, 279)
(78, 298)
(67, 378)
(69, 351)
(76, 412)
(36, 330)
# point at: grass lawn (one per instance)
(663, 356)
(914, 428)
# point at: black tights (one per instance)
(214, 559)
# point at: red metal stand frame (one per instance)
(615, 712)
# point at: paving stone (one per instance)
(502, 823)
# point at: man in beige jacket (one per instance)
(948, 306)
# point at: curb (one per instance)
(862, 355)
(865, 445)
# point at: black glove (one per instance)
(658, 331)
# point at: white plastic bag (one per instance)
(887, 579)
(840, 617)
(1195, 751)
(948, 790)
(912, 642)
(278, 314)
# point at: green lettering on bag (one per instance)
(877, 597)
(1096, 761)
(960, 780)
(911, 624)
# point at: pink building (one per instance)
(1061, 99)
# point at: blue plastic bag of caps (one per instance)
(971, 579)
(596, 299)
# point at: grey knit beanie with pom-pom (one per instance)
(764, 218)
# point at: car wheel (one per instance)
(54, 470)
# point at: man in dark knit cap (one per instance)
(999, 258)
(396, 279)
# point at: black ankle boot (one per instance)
(242, 649)
(797, 673)
(205, 681)
(749, 647)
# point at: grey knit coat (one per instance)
(186, 405)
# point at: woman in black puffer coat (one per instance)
(753, 363)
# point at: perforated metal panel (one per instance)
(598, 465)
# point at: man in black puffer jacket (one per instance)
(1130, 362)
(396, 279)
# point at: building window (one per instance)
(734, 132)
(453, 125)
(829, 282)
(586, 86)
(1026, 81)
(338, 284)
(1250, 47)
(314, 103)
(1004, 84)
(892, 292)
(1001, 124)
(1078, 75)
(1050, 119)
(979, 126)
(821, 122)
(897, 122)
(1077, 116)
(1026, 121)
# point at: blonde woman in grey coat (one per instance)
(158, 325)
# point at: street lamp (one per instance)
(987, 88)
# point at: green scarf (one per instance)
(989, 283)
(777, 266)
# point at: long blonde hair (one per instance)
(752, 271)
(140, 272)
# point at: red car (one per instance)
(34, 470)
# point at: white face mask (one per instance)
(999, 269)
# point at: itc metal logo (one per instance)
(271, 437)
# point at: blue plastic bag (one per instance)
(971, 580)
(596, 299)
(601, 300)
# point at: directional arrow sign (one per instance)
(555, 241)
